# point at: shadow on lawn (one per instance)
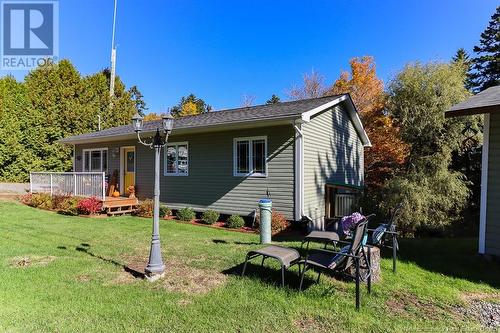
(85, 248)
(270, 275)
(452, 257)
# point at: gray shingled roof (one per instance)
(484, 102)
(229, 116)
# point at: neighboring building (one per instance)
(487, 102)
(302, 154)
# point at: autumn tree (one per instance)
(388, 151)
(190, 105)
(313, 86)
(152, 116)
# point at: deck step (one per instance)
(117, 212)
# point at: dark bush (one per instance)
(186, 214)
(210, 216)
(165, 211)
(235, 222)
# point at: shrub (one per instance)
(235, 222)
(69, 206)
(40, 200)
(165, 211)
(58, 200)
(89, 206)
(145, 208)
(186, 214)
(210, 216)
(26, 199)
(278, 222)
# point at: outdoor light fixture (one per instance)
(168, 123)
(137, 122)
(155, 268)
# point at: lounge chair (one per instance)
(385, 235)
(326, 237)
(342, 261)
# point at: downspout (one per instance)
(299, 172)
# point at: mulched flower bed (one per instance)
(216, 225)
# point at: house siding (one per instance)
(210, 183)
(333, 154)
(492, 239)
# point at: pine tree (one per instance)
(462, 58)
(487, 63)
(273, 100)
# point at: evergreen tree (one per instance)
(138, 98)
(462, 58)
(487, 62)
(190, 105)
(53, 102)
(273, 100)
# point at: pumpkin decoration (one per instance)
(116, 194)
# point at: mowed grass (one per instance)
(65, 274)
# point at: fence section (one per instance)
(82, 184)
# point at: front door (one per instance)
(129, 168)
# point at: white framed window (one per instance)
(95, 160)
(250, 156)
(176, 159)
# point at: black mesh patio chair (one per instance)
(350, 256)
(385, 235)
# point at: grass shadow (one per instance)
(85, 248)
(270, 275)
(453, 257)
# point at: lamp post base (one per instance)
(152, 277)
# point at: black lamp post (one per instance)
(155, 268)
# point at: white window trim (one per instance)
(250, 157)
(176, 144)
(90, 150)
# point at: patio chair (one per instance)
(385, 235)
(342, 261)
(326, 237)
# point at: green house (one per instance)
(306, 155)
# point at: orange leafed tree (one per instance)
(388, 151)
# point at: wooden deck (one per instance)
(119, 205)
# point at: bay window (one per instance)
(250, 156)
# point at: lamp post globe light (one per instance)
(155, 268)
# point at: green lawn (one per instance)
(62, 273)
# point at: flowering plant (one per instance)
(89, 206)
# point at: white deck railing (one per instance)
(82, 184)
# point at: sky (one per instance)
(221, 50)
